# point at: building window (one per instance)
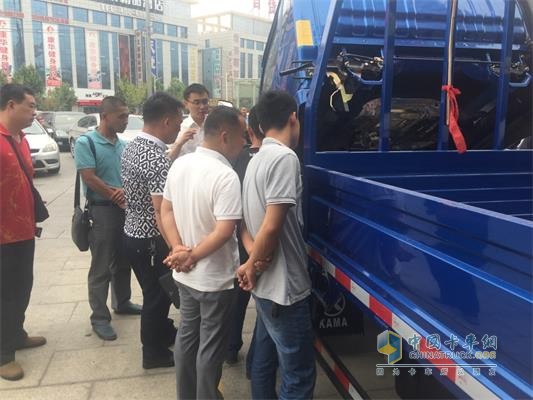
(12, 5)
(128, 22)
(250, 65)
(99, 18)
(172, 30)
(59, 11)
(65, 53)
(38, 46)
(174, 60)
(115, 20)
(259, 66)
(242, 43)
(104, 60)
(18, 43)
(159, 28)
(183, 32)
(207, 43)
(243, 65)
(159, 60)
(39, 8)
(81, 57)
(185, 63)
(259, 46)
(140, 24)
(116, 58)
(80, 14)
(249, 44)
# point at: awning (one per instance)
(89, 102)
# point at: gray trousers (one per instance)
(202, 341)
(108, 263)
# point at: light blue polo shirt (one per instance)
(107, 163)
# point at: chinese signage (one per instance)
(138, 56)
(156, 6)
(448, 355)
(94, 75)
(52, 61)
(153, 58)
(124, 56)
(6, 52)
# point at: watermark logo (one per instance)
(390, 344)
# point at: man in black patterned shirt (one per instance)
(144, 172)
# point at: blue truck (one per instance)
(418, 190)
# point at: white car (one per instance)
(90, 122)
(44, 150)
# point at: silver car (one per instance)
(90, 122)
(44, 150)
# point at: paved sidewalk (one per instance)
(75, 363)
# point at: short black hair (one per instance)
(194, 88)
(219, 118)
(253, 122)
(111, 103)
(274, 109)
(15, 92)
(159, 106)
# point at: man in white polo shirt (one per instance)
(201, 208)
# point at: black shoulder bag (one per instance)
(39, 209)
(81, 221)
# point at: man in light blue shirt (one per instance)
(97, 156)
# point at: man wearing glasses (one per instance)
(191, 133)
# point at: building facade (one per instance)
(91, 44)
(231, 47)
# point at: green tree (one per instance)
(3, 78)
(133, 95)
(159, 85)
(61, 98)
(27, 75)
(176, 88)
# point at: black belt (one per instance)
(101, 203)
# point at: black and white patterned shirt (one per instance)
(144, 170)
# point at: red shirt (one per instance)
(17, 219)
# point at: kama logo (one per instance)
(390, 344)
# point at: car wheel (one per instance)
(54, 171)
(72, 144)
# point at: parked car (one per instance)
(57, 123)
(44, 150)
(90, 122)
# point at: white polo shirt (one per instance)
(203, 189)
(191, 145)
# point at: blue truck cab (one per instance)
(419, 230)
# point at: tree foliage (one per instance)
(62, 98)
(27, 75)
(176, 88)
(3, 78)
(133, 95)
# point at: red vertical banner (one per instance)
(6, 53)
(124, 56)
(272, 6)
(52, 60)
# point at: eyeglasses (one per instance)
(197, 102)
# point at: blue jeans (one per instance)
(283, 335)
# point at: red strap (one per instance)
(453, 125)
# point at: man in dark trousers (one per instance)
(100, 171)
(17, 226)
(144, 172)
(239, 311)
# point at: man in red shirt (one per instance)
(17, 227)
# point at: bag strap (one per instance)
(78, 181)
(19, 158)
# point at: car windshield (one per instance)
(135, 123)
(66, 120)
(34, 129)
